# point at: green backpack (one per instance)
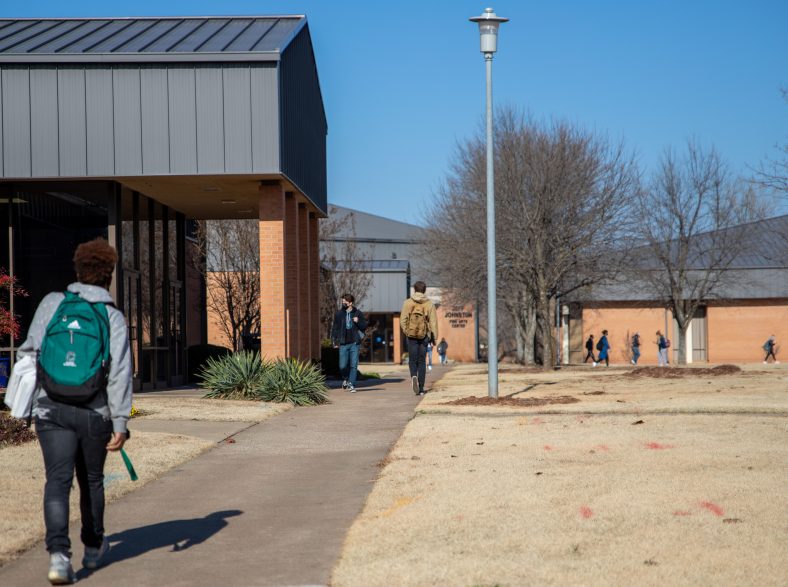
(73, 364)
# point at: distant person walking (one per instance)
(603, 346)
(82, 403)
(347, 332)
(419, 322)
(770, 346)
(662, 349)
(635, 348)
(443, 346)
(590, 350)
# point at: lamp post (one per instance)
(488, 32)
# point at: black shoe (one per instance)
(414, 384)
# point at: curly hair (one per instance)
(94, 262)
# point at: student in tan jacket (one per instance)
(420, 324)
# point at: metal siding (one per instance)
(155, 121)
(16, 123)
(72, 139)
(182, 116)
(99, 123)
(303, 131)
(265, 119)
(128, 123)
(44, 122)
(237, 120)
(210, 120)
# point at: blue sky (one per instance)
(403, 80)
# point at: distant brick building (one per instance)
(751, 305)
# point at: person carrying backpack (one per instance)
(770, 346)
(662, 349)
(590, 349)
(603, 346)
(347, 332)
(443, 346)
(419, 322)
(82, 403)
(635, 348)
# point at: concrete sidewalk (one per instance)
(271, 508)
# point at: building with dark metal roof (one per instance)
(126, 127)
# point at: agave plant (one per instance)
(298, 382)
(236, 376)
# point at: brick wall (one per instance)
(457, 324)
(273, 320)
(737, 330)
(621, 323)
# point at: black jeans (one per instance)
(73, 438)
(417, 352)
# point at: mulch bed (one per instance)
(679, 372)
(508, 400)
(14, 431)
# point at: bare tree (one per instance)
(691, 216)
(231, 252)
(344, 265)
(562, 195)
(772, 173)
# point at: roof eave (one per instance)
(213, 57)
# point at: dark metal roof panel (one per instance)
(146, 39)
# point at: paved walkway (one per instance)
(272, 508)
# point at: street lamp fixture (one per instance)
(489, 23)
(488, 29)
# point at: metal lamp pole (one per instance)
(488, 32)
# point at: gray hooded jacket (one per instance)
(118, 403)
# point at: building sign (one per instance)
(458, 317)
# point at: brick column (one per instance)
(273, 319)
(314, 285)
(305, 309)
(397, 340)
(292, 302)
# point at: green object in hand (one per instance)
(129, 466)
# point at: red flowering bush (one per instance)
(9, 325)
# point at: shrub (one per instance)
(297, 382)
(236, 376)
(14, 431)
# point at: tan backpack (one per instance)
(417, 321)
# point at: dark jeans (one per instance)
(769, 353)
(590, 355)
(417, 352)
(635, 354)
(73, 438)
(348, 362)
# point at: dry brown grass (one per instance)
(209, 410)
(22, 482)
(517, 496)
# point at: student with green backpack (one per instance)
(83, 401)
(419, 322)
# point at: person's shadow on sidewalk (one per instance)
(177, 534)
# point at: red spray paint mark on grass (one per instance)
(658, 446)
(537, 420)
(713, 508)
(586, 512)
(548, 447)
(602, 447)
(682, 513)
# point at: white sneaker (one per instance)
(594, 364)
(429, 367)
(764, 362)
(350, 388)
(93, 556)
(344, 384)
(60, 569)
